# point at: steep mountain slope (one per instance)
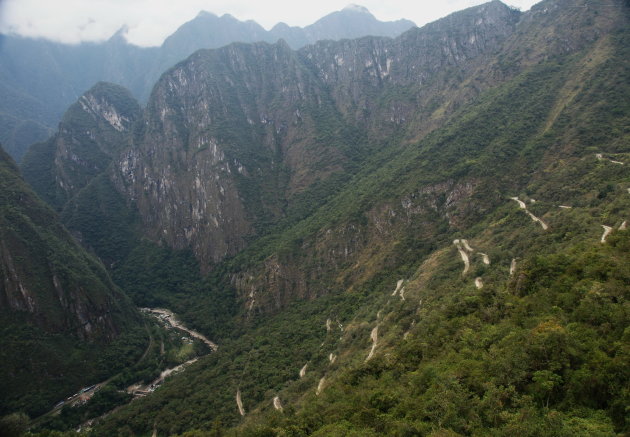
(64, 323)
(39, 79)
(92, 132)
(241, 132)
(529, 339)
(236, 140)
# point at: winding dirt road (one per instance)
(522, 205)
(607, 230)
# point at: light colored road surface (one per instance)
(398, 285)
(623, 226)
(513, 266)
(303, 370)
(467, 246)
(276, 404)
(607, 230)
(463, 255)
(332, 358)
(320, 386)
(522, 205)
(239, 402)
(374, 338)
(485, 258)
(478, 283)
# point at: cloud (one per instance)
(150, 21)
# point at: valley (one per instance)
(423, 235)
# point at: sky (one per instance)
(149, 22)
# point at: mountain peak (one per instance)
(356, 8)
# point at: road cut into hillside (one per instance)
(277, 404)
(239, 402)
(485, 258)
(463, 255)
(398, 285)
(522, 205)
(374, 338)
(513, 266)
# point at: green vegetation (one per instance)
(538, 353)
(542, 350)
(64, 323)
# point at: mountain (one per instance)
(39, 79)
(424, 235)
(92, 131)
(237, 139)
(64, 323)
(468, 278)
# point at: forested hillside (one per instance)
(64, 322)
(474, 282)
(424, 235)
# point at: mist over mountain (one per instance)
(40, 78)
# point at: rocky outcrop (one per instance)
(93, 130)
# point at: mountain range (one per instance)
(41, 78)
(419, 235)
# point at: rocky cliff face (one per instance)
(93, 130)
(230, 135)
